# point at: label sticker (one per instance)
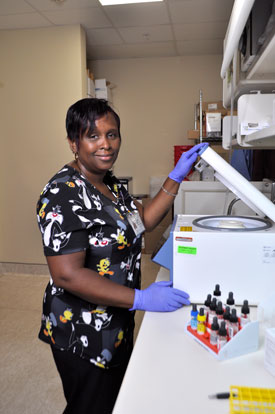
(184, 239)
(187, 250)
(185, 228)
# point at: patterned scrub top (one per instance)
(74, 216)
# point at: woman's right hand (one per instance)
(160, 297)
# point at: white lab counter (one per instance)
(169, 372)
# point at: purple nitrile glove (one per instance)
(185, 163)
(160, 297)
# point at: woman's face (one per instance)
(98, 151)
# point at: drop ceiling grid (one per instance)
(168, 28)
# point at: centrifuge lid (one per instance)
(239, 185)
(232, 223)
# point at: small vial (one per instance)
(222, 336)
(194, 315)
(214, 331)
(211, 313)
(201, 328)
(245, 318)
(217, 292)
(207, 305)
(230, 300)
(226, 317)
(233, 324)
(219, 312)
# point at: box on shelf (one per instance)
(214, 106)
(212, 115)
(193, 134)
(103, 89)
(213, 123)
(90, 88)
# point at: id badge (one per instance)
(135, 222)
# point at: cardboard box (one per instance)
(214, 106)
(193, 134)
(90, 88)
(103, 90)
(213, 122)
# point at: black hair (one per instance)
(81, 117)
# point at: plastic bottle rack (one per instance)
(245, 400)
(244, 340)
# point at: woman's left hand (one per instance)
(185, 163)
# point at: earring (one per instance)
(76, 156)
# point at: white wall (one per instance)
(155, 99)
(42, 72)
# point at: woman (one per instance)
(91, 230)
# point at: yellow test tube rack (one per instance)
(251, 400)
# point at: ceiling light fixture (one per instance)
(115, 2)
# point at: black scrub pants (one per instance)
(88, 389)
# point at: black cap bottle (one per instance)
(230, 300)
(233, 324)
(222, 335)
(245, 313)
(217, 292)
(214, 331)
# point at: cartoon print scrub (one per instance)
(73, 215)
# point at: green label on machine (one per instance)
(187, 250)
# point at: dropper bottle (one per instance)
(245, 313)
(201, 322)
(207, 305)
(222, 336)
(194, 315)
(230, 300)
(214, 331)
(226, 317)
(217, 292)
(219, 312)
(211, 313)
(233, 324)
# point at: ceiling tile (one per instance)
(199, 47)
(146, 34)
(200, 30)
(14, 6)
(143, 14)
(44, 5)
(103, 37)
(91, 17)
(131, 51)
(23, 21)
(200, 10)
